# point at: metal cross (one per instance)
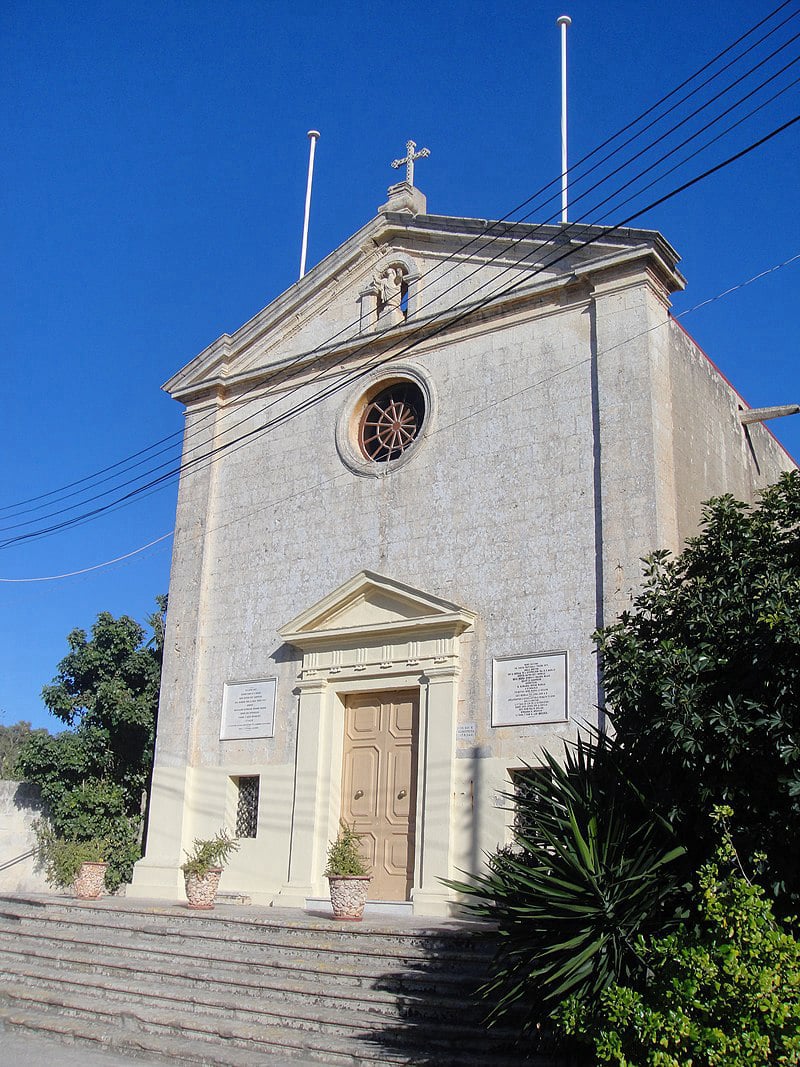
(409, 158)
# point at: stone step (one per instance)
(92, 1035)
(248, 983)
(148, 1028)
(260, 926)
(229, 1009)
(154, 952)
(256, 944)
(234, 992)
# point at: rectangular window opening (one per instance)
(247, 806)
(525, 786)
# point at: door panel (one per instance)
(379, 785)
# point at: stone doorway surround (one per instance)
(373, 634)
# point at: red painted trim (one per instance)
(731, 386)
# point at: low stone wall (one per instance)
(20, 805)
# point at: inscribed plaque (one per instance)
(248, 710)
(529, 690)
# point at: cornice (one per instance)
(280, 320)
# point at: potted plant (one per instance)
(347, 874)
(203, 868)
(79, 865)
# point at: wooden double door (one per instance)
(379, 785)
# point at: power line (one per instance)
(261, 383)
(459, 316)
(96, 567)
(688, 311)
(369, 342)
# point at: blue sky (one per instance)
(154, 162)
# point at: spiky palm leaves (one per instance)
(590, 869)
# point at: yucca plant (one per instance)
(591, 868)
(210, 853)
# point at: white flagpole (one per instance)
(563, 21)
(313, 136)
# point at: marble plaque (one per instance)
(529, 690)
(248, 709)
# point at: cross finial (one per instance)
(409, 158)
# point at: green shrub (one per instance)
(344, 855)
(585, 875)
(62, 858)
(724, 990)
(209, 853)
(702, 678)
(93, 775)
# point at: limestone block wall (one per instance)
(495, 512)
(572, 421)
(668, 432)
(712, 452)
(20, 806)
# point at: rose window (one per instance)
(391, 421)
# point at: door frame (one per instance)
(414, 813)
(399, 651)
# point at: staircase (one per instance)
(241, 985)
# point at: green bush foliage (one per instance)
(702, 679)
(723, 990)
(344, 854)
(93, 776)
(12, 740)
(586, 874)
(208, 853)
(62, 859)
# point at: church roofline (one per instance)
(207, 369)
(321, 622)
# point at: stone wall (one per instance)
(20, 805)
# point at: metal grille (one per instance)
(247, 808)
(527, 791)
(391, 421)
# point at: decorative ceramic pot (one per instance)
(89, 881)
(349, 895)
(201, 889)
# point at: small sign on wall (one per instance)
(529, 690)
(248, 709)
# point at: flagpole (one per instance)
(563, 21)
(313, 136)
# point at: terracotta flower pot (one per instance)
(201, 889)
(349, 895)
(90, 881)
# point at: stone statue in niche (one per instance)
(391, 287)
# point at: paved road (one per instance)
(18, 1049)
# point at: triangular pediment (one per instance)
(371, 604)
(449, 259)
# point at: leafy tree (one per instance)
(590, 868)
(725, 989)
(703, 681)
(93, 775)
(12, 740)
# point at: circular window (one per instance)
(385, 420)
(391, 421)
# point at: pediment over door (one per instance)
(374, 622)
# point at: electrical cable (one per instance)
(466, 312)
(494, 224)
(705, 145)
(695, 307)
(370, 342)
(96, 567)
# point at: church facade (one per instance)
(413, 486)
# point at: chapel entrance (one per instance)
(379, 785)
